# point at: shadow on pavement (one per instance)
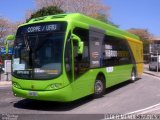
(60, 106)
(51, 106)
(118, 86)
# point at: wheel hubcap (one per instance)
(98, 87)
(133, 76)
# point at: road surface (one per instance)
(122, 99)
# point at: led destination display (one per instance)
(42, 27)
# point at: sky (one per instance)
(125, 13)
(15, 10)
(136, 14)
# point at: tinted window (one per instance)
(115, 51)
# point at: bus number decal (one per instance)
(109, 69)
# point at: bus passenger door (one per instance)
(81, 61)
(82, 78)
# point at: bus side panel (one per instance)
(119, 74)
(137, 50)
(84, 85)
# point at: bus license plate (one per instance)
(32, 93)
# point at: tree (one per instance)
(145, 36)
(13, 26)
(92, 8)
(4, 26)
(46, 3)
(28, 14)
(112, 23)
(51, 10)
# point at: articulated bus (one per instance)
(69, 56)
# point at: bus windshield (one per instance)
(38, 55)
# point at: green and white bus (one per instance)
(68, 56)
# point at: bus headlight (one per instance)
(56, 86)
(16, 85)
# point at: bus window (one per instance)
(115, 51)
(40, 58)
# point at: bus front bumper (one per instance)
(61, 95)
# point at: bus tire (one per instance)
(133, 76)
(99, 87)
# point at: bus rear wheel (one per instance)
(133, 76)
(99, 87)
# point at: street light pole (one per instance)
(157, 61)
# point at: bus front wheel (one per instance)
(99, 87)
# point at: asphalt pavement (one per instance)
(141, 97)
(5, 80)
(123, 98)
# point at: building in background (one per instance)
(154, 50)
(154, 47)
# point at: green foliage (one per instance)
(146, 46)
(51, 10)
(113, 24)
(103, 18)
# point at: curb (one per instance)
(5, 83)
(151, 74)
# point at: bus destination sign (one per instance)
(42, 28)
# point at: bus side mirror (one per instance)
(80, 43)
(10, 37)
